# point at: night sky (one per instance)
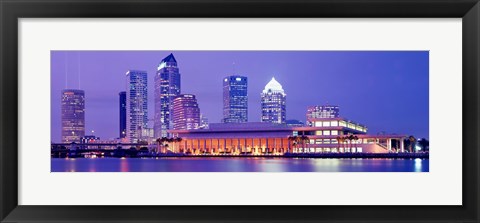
(385, 90)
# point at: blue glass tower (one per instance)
(235, 99)
(167, 87)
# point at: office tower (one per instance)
(235, 99)
(186, 113)
(322, 111)
(137, 115)
(167, 87)
(73, 115)
(123, 114)
(274, 102)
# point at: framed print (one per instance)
(239, 111)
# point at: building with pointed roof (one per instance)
(167, 87)
(274, 86)
(274, 103)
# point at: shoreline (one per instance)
(291, 155)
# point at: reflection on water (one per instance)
(238, 165)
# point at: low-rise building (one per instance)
(325, 135)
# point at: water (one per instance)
(237, 165)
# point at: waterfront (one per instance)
(237, 165)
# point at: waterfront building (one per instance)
(328, 135)
(322, 111)
(274, 103)
(235, 99)
(186, 113)
(167, 87)
(137, 107)
(295, 123)
(73, 115)
(123, 114)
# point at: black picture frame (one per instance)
(12, 10)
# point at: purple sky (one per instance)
(385, 90)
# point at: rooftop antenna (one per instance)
(66, 70)
(78, 65)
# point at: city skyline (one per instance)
(297, 107)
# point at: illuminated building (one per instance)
(148, 135)
(123, 114)
(167, 87)
(328, 135)
(186, 113)
(73, 115)
(274, 103)
(235, 99)
(137, 107)
(322, 111)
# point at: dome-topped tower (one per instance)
(274, 103)
(273, 86)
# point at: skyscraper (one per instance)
(186, 113)
(167, 87)
(73, 115)
(137, 115)
(235, 99)
(123, 114)
(274, 100)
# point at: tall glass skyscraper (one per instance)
(137, 107)
(73, 115)
(274, 103)
(235, 99)
(167, 87)
(186, 113)
(123, 114)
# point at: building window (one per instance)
(318, 133)
(334, 132)
(318, 124)
(326, 132)
(326, 124)
(334, 123)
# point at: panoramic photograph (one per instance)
(239, 111)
